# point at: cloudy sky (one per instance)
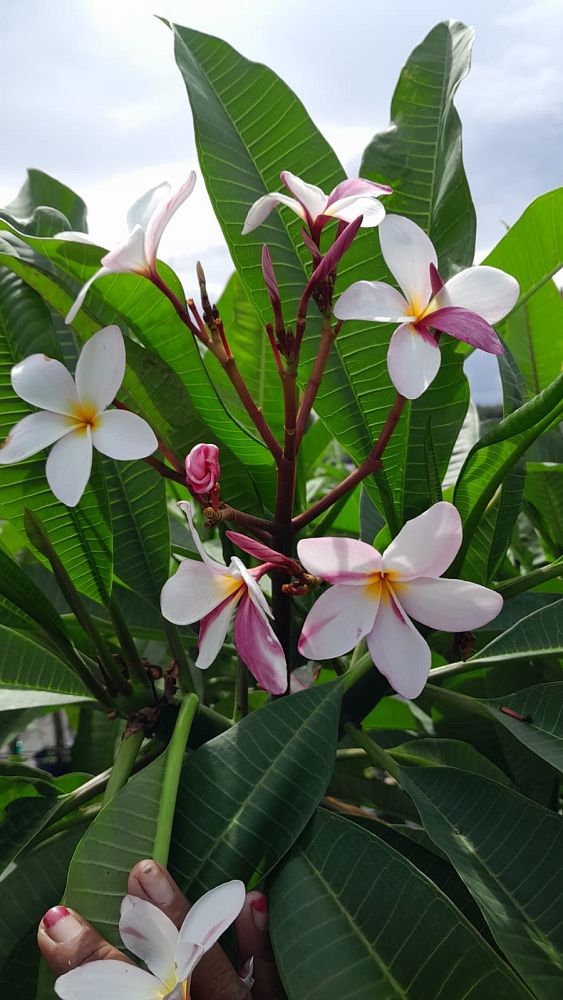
(95, 99)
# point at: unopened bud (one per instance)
(202, 468)
(273, 290)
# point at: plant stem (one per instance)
(123, 765)
(165, 471)
(171, 778)
(441, 696)
(356, 670)
(283, 528)
(328, 336)
(377, 754)
(188, 676)
(128, 648)
(241, 691)
(370, 464)
(519, 584)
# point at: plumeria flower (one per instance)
(202, 468)
(304, 677)
(146, 220)
(465, 306)
(375, 596)
(209, 593)
(169, 953)
(74, 414)
(346, 201)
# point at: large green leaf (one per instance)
(534, 333)
(420, 153)
(141, 535)
(26, 664)
(509, 853)
(497, 452)
(351, 918)
(24, 595)
(540, 727)
(42, 190)
(539, 633)
(243, 144)
(137, 305)
(243, 800)
(544, 490)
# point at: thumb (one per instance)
(253, 939)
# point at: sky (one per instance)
(95, 98)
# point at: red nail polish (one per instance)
(259, 907)
(260, 904)
(55, 914)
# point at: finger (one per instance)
(214, 978)
(66, 940)
(253, 939)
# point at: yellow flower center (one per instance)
(84, 415)
(379, 585)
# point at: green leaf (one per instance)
(42, 190)
(141, 535)
(496, 453)
(26, 602)
(447, 753)
(419, 154)
(534, 332)
(541, 725)
(511, 864)
(351, 918)
(544, 490)
(27, 665)
(537, 634)
(243, 799)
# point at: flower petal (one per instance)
(214, 566)
(259, 647)
(449, 605)
(309, 196)
(44, 382)
(206, 921)
(123, 435)
(150, 935)
(260, 210)
(69, 465)
(339, 560)
(260, 551)
(399, 652)
(194, 591)
(427, 544)
(304, 677)
(32, 434)
(358, 187)
(213, 629)
(373, 301)
(413, 360)
(467, 326)
(238, 568)
(162, 215)
(487, 291)
(129, 256)
(349, 209)
(408, 253)
(142, 210)
(338, 620)
(110, 978)
(77, 304)
(100, 368)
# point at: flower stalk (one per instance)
(172, 771)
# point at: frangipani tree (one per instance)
(303, 612)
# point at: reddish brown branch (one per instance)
(328, 337)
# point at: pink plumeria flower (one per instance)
(209, 593)
(376, 595)
(74, 415)
(146, 219)
(302, 678)
(202, 468)
(169, 953)
(465, 306)
(347, 201)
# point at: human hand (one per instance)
(67, 941)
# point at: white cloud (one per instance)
(523, 83)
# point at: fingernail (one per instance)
(156, 884)
(61, 925)
(259, 907)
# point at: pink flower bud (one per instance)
(202, 468)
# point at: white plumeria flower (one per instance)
(375, 596)
(302, 678)
(347, 201)
(74, 414)
(146, 220)
(209, 593)
(465, 306)
(169, 953)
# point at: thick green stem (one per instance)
(359, 666)
(377, 754)
(129, 651)
(172, 771)
(241, 691)
(454, 699)
(123, 765)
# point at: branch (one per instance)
(328, 337)
(370, 464)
